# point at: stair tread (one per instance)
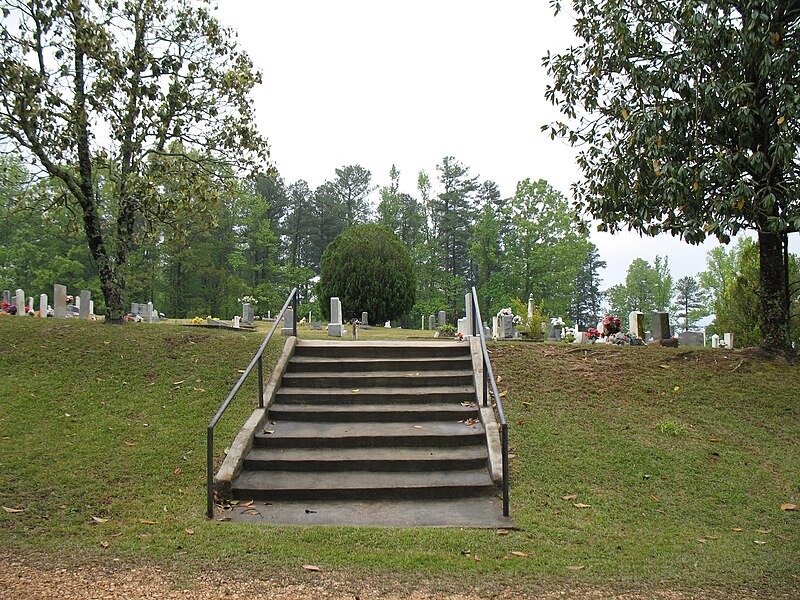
(419, 453)
(355, 480)
(389, 407)
(325, 360)
(384, 391)
(381, 344)
(323, 430)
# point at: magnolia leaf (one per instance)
(519, 553)
(788, 506)
(759, 542)
(189, 531)
(311, 568)
(144, 522)
(99, 520)
(570, 497)
(131, 444)
(736, 529)
(575, 568)
(12, 510)
(503, 532)
(579, 505)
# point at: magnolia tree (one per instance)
(137, 111)
(687, 116)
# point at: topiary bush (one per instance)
(368, 268)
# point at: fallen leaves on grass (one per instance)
(715, 440)
(788, 506)
(268, 431)
(189, 531)
(655, 498)
(759, 542)
(503, 532)
(145, 522)
(519, 553)
(131, 444)
(104, 544)
(581, 505)
(311, 568)
(8, 509)
(575, 568)
(736, 529)
(763, 531)
(179, 382)
(570, 497)
(177, 471)
(355, 391)
(99, 520)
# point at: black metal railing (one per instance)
(488, 380)
(256, 362)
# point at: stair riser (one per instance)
(363, 351)
(366, 493)
(356, 382)
(339, 466)
(470, 438)
(287, 396)
(287, 414)
(345, 366)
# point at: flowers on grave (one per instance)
(611, 325)
(459, 337)
(251, 299)
(4, 306)
(198, 321)
(557, 322)
(505, 312)
(594, 334)
(517, 320)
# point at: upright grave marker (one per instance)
(636, 324)
(661, 326)
(59, 301)
(42, 305)
(85, 297)
(335, 327)
(20, 303)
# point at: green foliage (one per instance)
(646, 289)
(688, 120)
(530, 325)
(690, 302)
(670, 428)
(368, 269)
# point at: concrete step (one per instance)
(367, 459)
(294, 434)
(361, 485)
(364, 413)
(483, 511)
(375, 395)
(379, 379)
(316, 364)
(380, 349)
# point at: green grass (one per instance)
(588, 423)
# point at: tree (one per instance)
(587, 298)
(647, 288)
(690, 302)
(688, 119)
(92, 90)
(352, 188)
(368, 269)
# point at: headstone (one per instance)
(462, 326)
(236, 321)
(288, 319)
(495, 327)
(86, 295)
(422, 328)
(335, 327)
(42, 305)
(531, 307)
(468, 304)
(555, 334)
(581, 337)
(636, 323)
(316, 325)
(91, 307)
(20, 303)
(364, 319)
(715, 341)
(77, 302)
(248, 315)
(661, 326)
(30, 302)
(648, 335)
(59, 301)
(442, 318)
(506, 327)
(691, 338)
(388, 325)
(431, 322)
(729, 341)
(7, 296)
(151, 316)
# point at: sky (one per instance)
(407, 83)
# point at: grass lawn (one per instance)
(681, 458)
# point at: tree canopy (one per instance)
(687, 114)
(137, 111)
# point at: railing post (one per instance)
(485, 386)
(294, 313)
(260, 382)
(209, 473)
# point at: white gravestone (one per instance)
(431, 322)
(59, 301)
(20, 301)
(288, 319)
(42, 305)
(335, 327)
(91, 307)
(636, 323)
(86, 295)
(462, 326)
(468, 303)
(236, 321)
(715, 341)
(729, 341)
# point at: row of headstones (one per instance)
(145, 312)
(335, 326)
(83, 303)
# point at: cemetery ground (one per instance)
(651, 472)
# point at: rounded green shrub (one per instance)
(368, 269)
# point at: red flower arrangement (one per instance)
(611, 325)
(594, 333)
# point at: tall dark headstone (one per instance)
(661, 326)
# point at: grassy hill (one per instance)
(674, 464)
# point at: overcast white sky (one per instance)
(407, 83)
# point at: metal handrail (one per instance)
(257, 361)
(488, 379)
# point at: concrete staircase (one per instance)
(371, 433)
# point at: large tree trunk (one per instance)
(772, 275)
